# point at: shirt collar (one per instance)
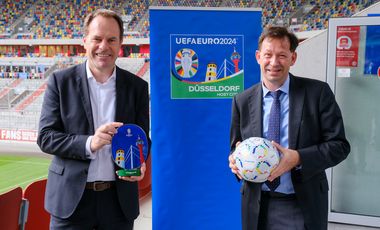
(91, 76)
(284, 88)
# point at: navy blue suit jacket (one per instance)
(315, 130)
(65, 124)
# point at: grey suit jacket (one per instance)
(65, 124)
(315, 130)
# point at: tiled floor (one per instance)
(144, 221)
(333, 226)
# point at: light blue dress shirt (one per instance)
(286, 185)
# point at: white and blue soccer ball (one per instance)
(255, 159)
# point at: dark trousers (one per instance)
(97, 210)
(280, 212)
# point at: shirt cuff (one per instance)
(89, 154)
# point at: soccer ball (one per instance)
(255, 158)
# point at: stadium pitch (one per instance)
(17, 170)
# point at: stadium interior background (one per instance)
(40, 37)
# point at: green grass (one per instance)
(21, 171)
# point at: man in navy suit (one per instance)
(311, 139)
(82, 109)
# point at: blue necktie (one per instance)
(274, 130)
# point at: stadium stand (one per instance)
(318, 12)
(29, 99)
(21, 99)
(21, 91)
(22, 79)
(7, 88)
(56, 19)
(9, 16)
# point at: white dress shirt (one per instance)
(103, 104)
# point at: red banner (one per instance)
(347, 46)
(18, 135)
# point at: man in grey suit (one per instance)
(311, 139)
(82, 109)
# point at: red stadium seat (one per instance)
(38, 218)
(145, 184)
(10, 204)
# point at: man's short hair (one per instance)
(279, 32)
(104, 13)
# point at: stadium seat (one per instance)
(145, 184)
(38, 218)
(10, 203)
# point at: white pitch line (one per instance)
(25, 182)
(25, 162)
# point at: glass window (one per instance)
(354, 73)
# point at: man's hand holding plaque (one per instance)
(129, 151)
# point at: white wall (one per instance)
(311, 57)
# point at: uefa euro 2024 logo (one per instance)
(206, 66)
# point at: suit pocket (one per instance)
(55, 168)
